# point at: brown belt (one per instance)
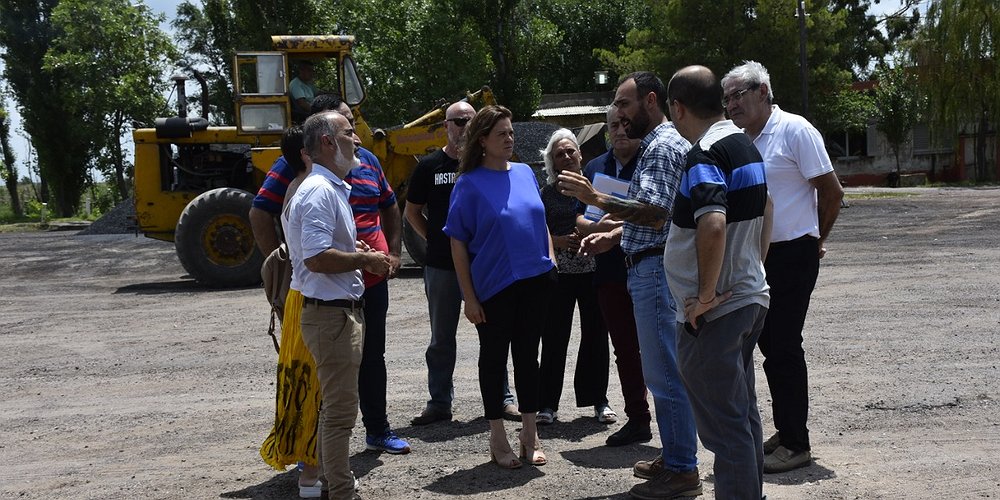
(633, 259)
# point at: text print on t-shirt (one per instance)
(445, 178)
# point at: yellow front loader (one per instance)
(194, 183)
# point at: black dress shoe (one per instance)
(631, 432)
(430, 416)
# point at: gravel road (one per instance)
(124, 379)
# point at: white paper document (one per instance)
(607, 185)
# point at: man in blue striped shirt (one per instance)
(719, 236)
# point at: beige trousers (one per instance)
(334, 336)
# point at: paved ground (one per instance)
(123, 379)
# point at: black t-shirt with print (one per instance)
(431, 185)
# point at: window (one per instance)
(260, 74)
(354, 93)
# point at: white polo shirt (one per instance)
(793, 152)
(319, 217)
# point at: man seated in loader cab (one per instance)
(303, 90)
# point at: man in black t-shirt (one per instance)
(430, 187)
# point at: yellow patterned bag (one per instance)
(296, 412)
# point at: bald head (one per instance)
(698, 89)
(456, 117)
(460, 108)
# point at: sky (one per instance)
(19, 143)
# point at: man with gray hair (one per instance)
(806, 196)
(326, 268)
(610, 280)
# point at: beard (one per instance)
(638, 125)
(346, 160)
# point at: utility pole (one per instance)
(803, 63)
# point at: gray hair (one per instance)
(313, 130)
(550, 170)
(612, 113)
(751, 73)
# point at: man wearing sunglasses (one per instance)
(806, 196)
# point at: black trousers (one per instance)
(590, 380)
(792, 268)
(515, 318)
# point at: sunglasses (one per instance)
(460, 122)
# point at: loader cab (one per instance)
(262, 80)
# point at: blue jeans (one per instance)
(655, 324)
(444, 304)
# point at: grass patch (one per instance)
(21, 227)
(877, 195)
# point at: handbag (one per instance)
(276, 273)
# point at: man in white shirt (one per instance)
(806, 196)
(326, 268)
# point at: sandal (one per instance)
(504, 458)
(537, 455)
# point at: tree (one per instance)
(61, 139)
(518, 39)
(585, 29)
(956, 53)
(898, 106)
(412, 55)
(114, 56)
(211, 34)
(8, 173)
(721, 34)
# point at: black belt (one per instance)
(632, 259)
(346, 304)
(804, 237)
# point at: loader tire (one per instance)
(214, 240)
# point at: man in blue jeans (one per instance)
(430, 190)
(641, 100)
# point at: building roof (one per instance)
(571, 111)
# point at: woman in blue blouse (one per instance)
(504, 261)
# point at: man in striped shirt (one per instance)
(719, 236)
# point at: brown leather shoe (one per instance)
(429, 416)
(510, 412)
(668, 484)
(648, 469)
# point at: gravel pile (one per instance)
(120, 220)
(529, 139)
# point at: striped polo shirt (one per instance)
(370, 192)
(723, 173)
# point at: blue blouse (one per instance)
(500, 216)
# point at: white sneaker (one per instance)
(313, 491)
(316, 490)
(605, 414)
